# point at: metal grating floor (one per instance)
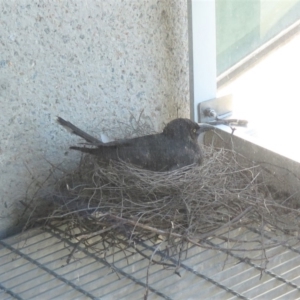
(33, 265)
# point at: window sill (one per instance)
(281, 145)
(281, 166)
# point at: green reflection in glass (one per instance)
(245, 25)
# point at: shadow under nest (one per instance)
(124, 205)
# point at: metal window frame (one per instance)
(202, 52)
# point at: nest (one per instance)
(124, 205)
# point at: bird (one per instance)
(175, 147)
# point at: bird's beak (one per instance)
(204, 127)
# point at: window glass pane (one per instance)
(244, 25)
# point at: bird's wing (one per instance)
(118, 143)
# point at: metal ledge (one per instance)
(288, 170)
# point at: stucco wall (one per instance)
(95, 63)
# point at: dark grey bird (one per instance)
(177, 146)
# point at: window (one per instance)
(266, 93)
(244, 26)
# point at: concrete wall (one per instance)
(95, 63)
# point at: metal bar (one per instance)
(198, 274)
(273, 240)
(50, 262)
(11, 293)
(104, 262)
(248, 261)
(47, 270)
(28, 263)
(68, 273)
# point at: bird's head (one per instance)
(183, 128)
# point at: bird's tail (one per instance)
(68, 125)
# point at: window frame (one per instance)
(204, 80)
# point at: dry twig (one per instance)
(123, 205)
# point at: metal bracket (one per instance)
(215, 108)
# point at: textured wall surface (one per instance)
(96, 63)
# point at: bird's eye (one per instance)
(194, 130)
